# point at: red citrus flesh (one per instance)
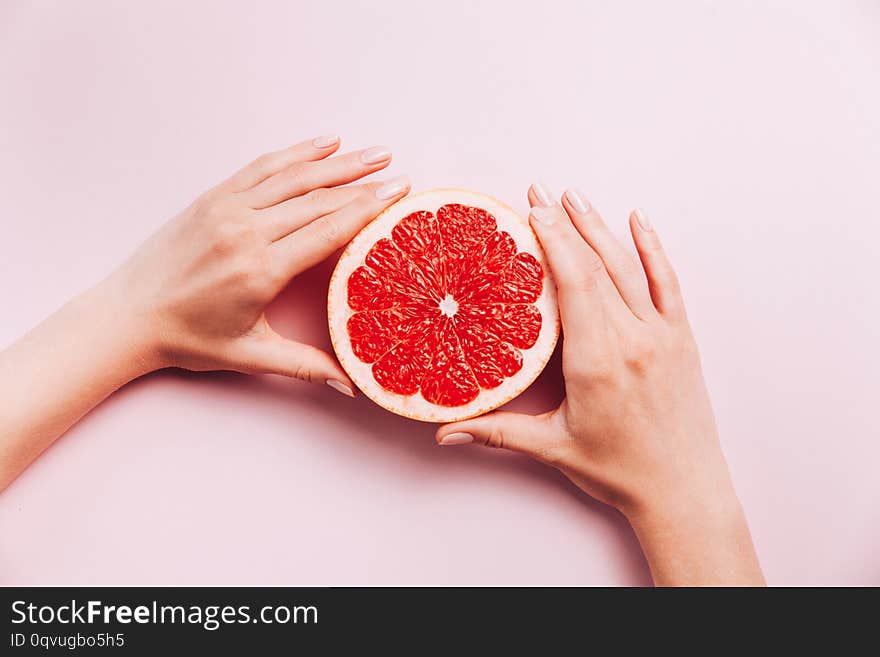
(400, 326)
(442, 306)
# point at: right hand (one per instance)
(636, 428)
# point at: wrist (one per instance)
(694, 510)
(124, 327)
(707, 493)
(700, 538)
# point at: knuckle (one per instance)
(211, 210)
(576, 375)
(593, 263)
(495, 437)
(302, 373)
(207, 199)
(225, 236)
(330, 232)
(653, 244)
(264, 162)
(671, 282)
(664, 271)
(586, 279)
(641, 354)
(366, 205)
(597, 373)
(583, 283)
(277, 273)
(319, 196)
(256, 271)
(297, 174)
(248, 232)
(629, 269)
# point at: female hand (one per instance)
(636, 428)
(201, 284)
(194, 294)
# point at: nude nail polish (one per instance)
(577, 200)
(542, 194)
(339, 386)
(459, 438)
(545, 216)
(375, 155)
(393, 187)
(642, 219)
(325, 141)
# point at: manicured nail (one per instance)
(642, 219)
(542, 194)
(544, 216)
(392, 188)
(459, 438)
(325, 141)
(339, 386)
(577, 200)
(375, 155)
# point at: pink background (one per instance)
(749, 133)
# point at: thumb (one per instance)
(273, 354)
(529, 434)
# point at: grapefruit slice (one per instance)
(443, 308)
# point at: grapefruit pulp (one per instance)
(443, 307)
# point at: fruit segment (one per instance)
(449, 381)
(444, 307)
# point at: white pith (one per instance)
(448, 306)
(415, 406)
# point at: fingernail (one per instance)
(544, 216)
(325, 141)
(392, 188)
(543, 194)
(642, 219)
(577, 200)
(375, 155)
(459, 438)
(339, 386)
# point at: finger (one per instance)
(273, 354)
(532, 435)
(662, 279)
(585, 293)
(303, 177)
(271, 163)
(625, 272)
(313, 243)
(282, 219)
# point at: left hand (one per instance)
(201, 284)
(194, 295)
